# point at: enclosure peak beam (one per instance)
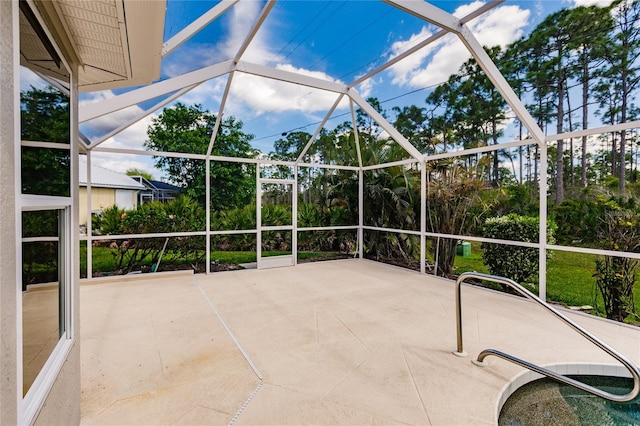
(291, 77)
(196, 26)
(429, 13)
(439, 17)
(386, 126)
(429, 40)
(247, 41)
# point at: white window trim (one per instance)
(34, 399)
(32, 402)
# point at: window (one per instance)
(44, 287)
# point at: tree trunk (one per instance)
(585, 123)
(614, 142)
(571, 165)
(623, 133)
(496, 153)
(560, 145)
(520, 150)
(535, 163)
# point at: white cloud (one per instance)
(194, 57)
(121, 163)
(259, 95)
(106, 123)
(600, 3)
(208, 94)
(131, 138)
(404, 70)
(241, 19)
(366, 87)
(250, 95)
(436, 62)
(501, 26)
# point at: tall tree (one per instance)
(411, 122)
(589, 28)
(550, 40)
(542, 106)
(486, 103)
(472, 106)
(623, 71)
(439, 120)
(290, 147)
(188, 129)
(512, 64)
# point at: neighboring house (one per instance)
(107, 188)
(156, 190)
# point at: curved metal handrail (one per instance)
(635, 373)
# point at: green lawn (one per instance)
(104, 260)
(570, 279)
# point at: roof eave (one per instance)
(118, 45)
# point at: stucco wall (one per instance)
(62, 406)
(8, 278)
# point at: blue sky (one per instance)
(332, 40)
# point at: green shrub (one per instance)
(580, 221)
(179, 215)
(616, 276)
(238, 218)
(315, 215)
(276, 215)
(516, 263)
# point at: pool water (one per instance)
(547, 402)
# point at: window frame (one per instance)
(30, 404)
(33, 400)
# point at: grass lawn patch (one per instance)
(570, 279)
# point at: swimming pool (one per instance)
(547, 402)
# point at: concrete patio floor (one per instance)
(342, 342)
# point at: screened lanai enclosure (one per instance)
(282, 132)
(357, 182)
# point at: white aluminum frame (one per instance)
(282, 260)
(423, 10)
(197, 25)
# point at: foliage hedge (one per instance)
(185, 215)
(516, 263)
(182, 214)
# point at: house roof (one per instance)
(156, 184)
(164, 185)
(104, 178)
(116, 43)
